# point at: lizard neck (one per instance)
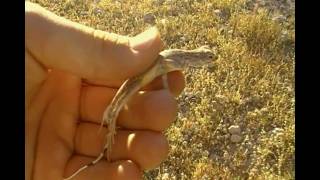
(171, 65)
(161, 66)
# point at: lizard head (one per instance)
(207, 53)
(201, 56)
(190, 58)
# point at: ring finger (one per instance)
(145, 148)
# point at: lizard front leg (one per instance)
(162, 69)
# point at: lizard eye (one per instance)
(210, 57)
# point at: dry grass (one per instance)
(251, 85)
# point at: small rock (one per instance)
(211, 68)
(173, 11)
(149, 18)
(184, 143)
(158, 2)
(279, 18)
(226, 155)
(213, 112)
(285, 35)
(101, 27)
(219, 138)
(262, 3)
(218, 12)
(221, 98)
(224, 130)
(164, 21)
(117, 15)
(165, 176)
(97, 11)
(289, 89)
(170, 2)
(183, 39)
(264, 110)
(277, 130)
(205, 153)
(83, 13)
(234, 129)
(213, 157)
(235, 138)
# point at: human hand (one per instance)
(72, 72)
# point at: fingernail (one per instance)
(145, 39)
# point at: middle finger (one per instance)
(146, 148)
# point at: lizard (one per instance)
(167, 61)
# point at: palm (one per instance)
(69, 114)
(57, 103)
(60, 144)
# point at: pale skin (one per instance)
(72, 73)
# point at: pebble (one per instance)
(149, 18)
(251, 115)
(209, 5)
(226, 155)
(285, 35)
(158, 2)
(234, 129)
(83, 13)
(277, 130)
(164, 21)
(227, 136)
(170, 2)
(279, 18)
(264, 110)
(184, 143)
(235, 138)
(165, 176)
(97, 11)
(183, 39)
(218, 12)
(221, 98)
(213, 157)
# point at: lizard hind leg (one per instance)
(165, 81)
(110, 137)
(106, 118)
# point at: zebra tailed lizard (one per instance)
(167, 61)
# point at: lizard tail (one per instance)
(85, 167)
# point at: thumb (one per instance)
(95, 55)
